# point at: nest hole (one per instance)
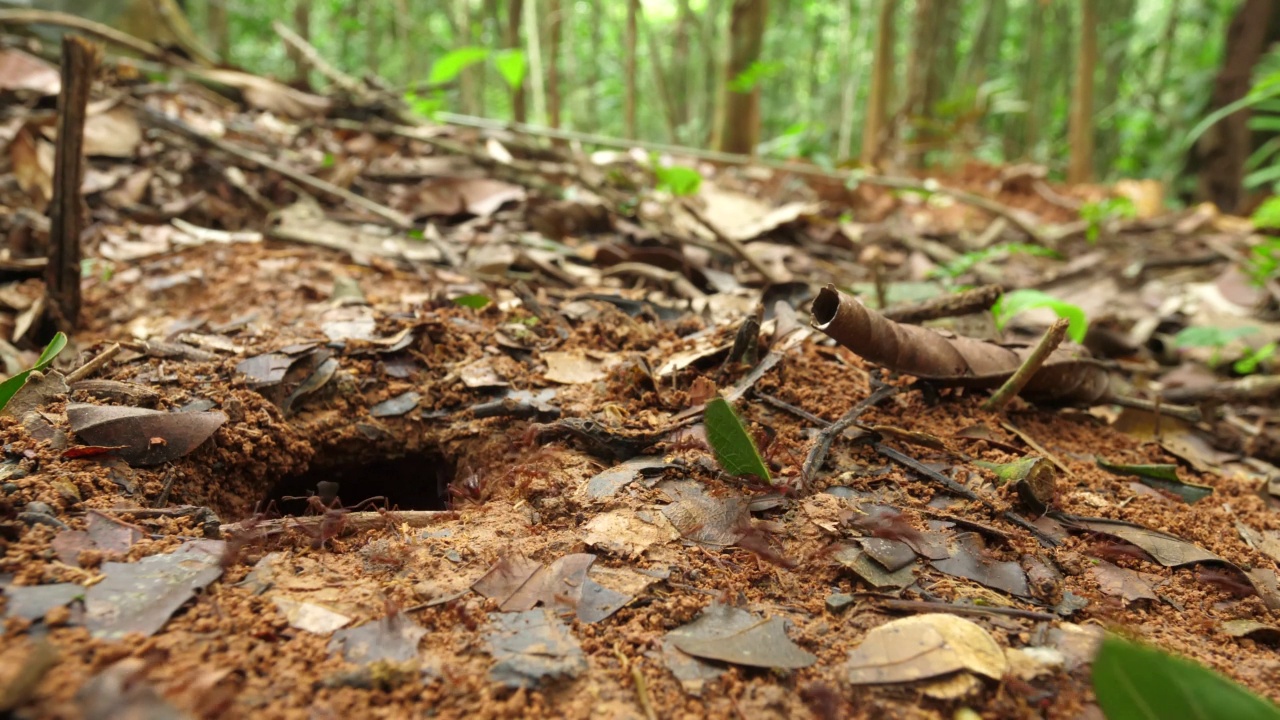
(416, 481)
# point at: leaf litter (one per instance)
(338, 347)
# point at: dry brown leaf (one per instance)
(925, 646)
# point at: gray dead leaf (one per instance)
(968, 560)
(396, 406)
(314, 382)
(39, 390)
(122, 691)
(562, 585)
(31, 602)
(1266, 542)
(733, 635)
(393, 638)
(148, 437)
(1264, 582)
(607, 483)
(1168, 550)
(266, 370)
(140, 596)
(1122, 582)
(876, 575)
(716, 521)
(1251, 628)
(530, 647)
(102, 533)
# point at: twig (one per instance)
(788, 407)
(678, 282)
(738, 248)
(173, 125)
(818, 453)
(956, 488)
(355, 521)
(66, 214)
(317, 61)
(1030, 366)
(111, 35)
(94, 365)
(929, 186)
(953, 305)
(1186, 413)
(958, 609)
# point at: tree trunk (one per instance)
(592, 114)
(739, 129)
(850, 54)
(1116, 24)
(629, 71)
(402, 25)
(372, 38)
(659, 79)
(1032, 87)
(302, 26)
(1223, 149)
(467, 78)
(712, 108)
(515, 9)
(533, 57)
(881, 78)
(219, 30)
(1080, 135)
(554, 34)
(679, 73)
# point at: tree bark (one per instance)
(533, 57)
(1032, 87)
(881, 78)
(554, 35)
(372, 38)
(1080, 135)
(515, 9)
(712, 107)
(219, 30)
(66, 208)
(302, 26)
(850, 53)
(629, 71)
(1223, 149)
(659, 78)
(739, 128)
(592, 111)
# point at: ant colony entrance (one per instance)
(417, 481)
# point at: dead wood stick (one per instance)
(1049, 342)
(356, 521)
(160, 120)
(738, 248)
(955, 304)
(818, 453)
(88, 27)
(958, 609)
(66, 209)
(317, 62)
(956, 488)
(94, 365)
(927, 186)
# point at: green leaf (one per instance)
(10, 387)
(734, 449)
(511, 66)
(447, 68)
(678, 179)
(475, 301)
(1248, 364)
(1019, 301)
(1268, 214)
(1137, 682)
(1161, 477)
(1262, 177)
(1210, 337)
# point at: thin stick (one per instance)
(111, 35)
(355, 521)
(1185, 413)
(66, 215)
(1048, 343)
(173, 125)
(818, 453)
(94, 365)
(317, 61)
(955, 608)
(788, 407)
(738, 248)
(963, 303)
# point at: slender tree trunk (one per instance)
(739, 130)
(372, 38)
(533, 54)
(850, 54)
(554, 33)
(1032, 86)
(659, 79)
(467, 78)
(219, 30)
(1222, 150)
(679, 72)
(302, 26)
(712, 97)
(629, 71)
(403, 25)
(877, 120)
(813, 82)
(1081, 129)
(515, 10)
(1116, 25)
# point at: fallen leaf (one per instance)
(393, 638)
(924, 646)
(134, 429)
(530, 647)
(1166, 549)
(140, 596)
(969, 560)
(733, 635)
(1122, 582)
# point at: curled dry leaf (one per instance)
(1069, 376)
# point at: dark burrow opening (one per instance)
(416, 481)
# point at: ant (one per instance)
(334, 515)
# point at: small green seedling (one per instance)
(967, 261)
(1248, 364)
(1218, 338)
(475, 301)
(1019, 301)
(733, 447)
(1095, 214)
(676, 179)
(1138, 682)
(10, 387)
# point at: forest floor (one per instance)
(512, 398)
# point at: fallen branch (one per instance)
(945, 306)
(89, 27)
(355, 521)
(1030, 366)
(178, 127)
(818, 453)
(734, 244)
